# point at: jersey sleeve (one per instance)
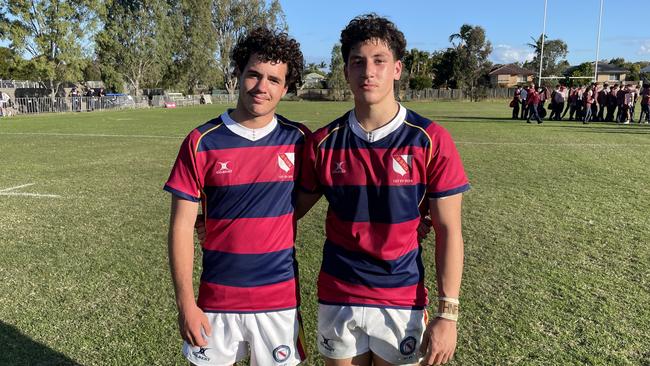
(184, 180)
(445, 172)
(309, 181)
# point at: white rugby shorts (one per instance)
(394, 335)
(272, 338)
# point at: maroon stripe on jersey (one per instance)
(221, 298)
(378, 167)
(379, 240)
(250, 235)
(246, 165)
(334, 291)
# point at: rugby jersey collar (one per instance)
(381, 132)
(252, 134)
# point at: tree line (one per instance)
(169, 44)
(185, 45)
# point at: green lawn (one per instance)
(556, 227)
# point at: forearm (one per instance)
(449, 261)
(181, 263)
(181, 250)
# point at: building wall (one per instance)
(604, 78)
(508, 81)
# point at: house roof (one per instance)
(603, 68)
(510, 69)
(313, 77)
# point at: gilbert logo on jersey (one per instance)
(223, 167)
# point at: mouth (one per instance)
(259, 99)
(368, 86)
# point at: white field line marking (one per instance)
(28, 194)
(17, 187)
(544, 144)
(7, 192)
(89, 135)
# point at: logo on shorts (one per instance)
(326, 343)
(200, 354)
(407, 346)
(281, 353)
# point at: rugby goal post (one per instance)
(541, 55)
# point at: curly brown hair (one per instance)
(272, 46)
(372, 26)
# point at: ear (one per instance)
(398, 70)
(345, 72)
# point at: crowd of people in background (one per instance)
(592, 103)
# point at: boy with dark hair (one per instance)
(375, 165)
(241, 168)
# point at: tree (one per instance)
(418, 67)
(198, 49)
(554, 60)
(136, 43)
(52, 33)
(232, 19)
(336, 79)
(471, 57)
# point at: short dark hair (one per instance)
(371, 26)
(269, 46)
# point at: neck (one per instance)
(374, 116)
(248, 120)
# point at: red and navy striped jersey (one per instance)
(245, 181)
(374, 183)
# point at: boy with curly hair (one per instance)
(376, 165)
(241, 168)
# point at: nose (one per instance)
(262, 85)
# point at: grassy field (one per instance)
(556, 227)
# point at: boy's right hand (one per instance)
(199, 226)
(194, 326)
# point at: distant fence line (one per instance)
(33, 105)
(89, 104)
(414, 95)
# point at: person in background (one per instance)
(645, 104)
(524, 104)
(516, 102)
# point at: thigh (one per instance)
(396, 334)
(275, 338)
(340, 332)
(226, 344)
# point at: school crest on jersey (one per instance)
(286, 161)
(402, 164)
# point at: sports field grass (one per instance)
(556, 227)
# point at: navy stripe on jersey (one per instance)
(285, 133)
(381, 204)
(451, 192)
(360, 268)
(180, 194)
(248, 270)
(269, 199)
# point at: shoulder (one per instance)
(290, 125)
(338, 125)
(435, 132)
(209, 127)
